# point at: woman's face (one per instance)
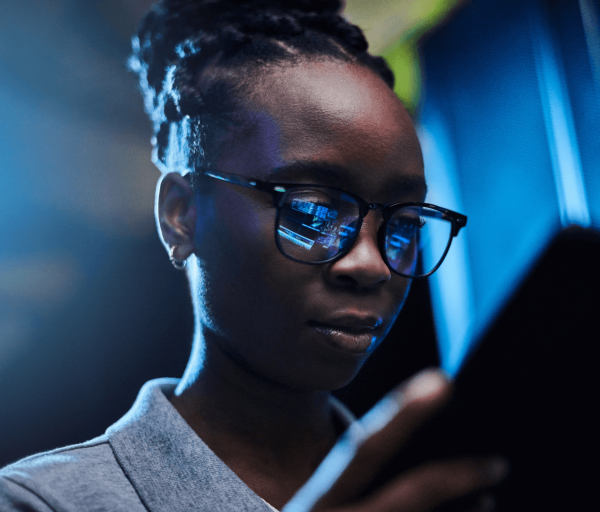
(309, 327)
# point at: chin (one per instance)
(326, 376)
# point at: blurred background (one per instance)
(506, 97)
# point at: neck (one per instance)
(250, 422)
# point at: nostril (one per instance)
(344, 280)
(360, 273)
(363, 283)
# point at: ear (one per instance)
(176, 214)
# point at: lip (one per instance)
(348, 332)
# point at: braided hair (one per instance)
(194, 57)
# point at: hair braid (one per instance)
(192, 56)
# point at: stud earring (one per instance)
(178, 264)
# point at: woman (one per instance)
(291, 193)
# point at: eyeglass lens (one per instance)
(414, 231)
(315, 225)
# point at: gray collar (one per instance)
(170, 467)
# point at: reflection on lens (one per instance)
(416, 230)
(316, 224)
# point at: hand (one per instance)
(369, 443)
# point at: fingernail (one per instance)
(425, 384)
(497, 469)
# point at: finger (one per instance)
(371, 441)
(386, 428)
(431, 485)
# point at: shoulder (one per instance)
(77, 477)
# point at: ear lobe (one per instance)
(176, 213)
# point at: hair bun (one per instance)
(322, 7)
(178, 39)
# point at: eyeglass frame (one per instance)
(279, 192)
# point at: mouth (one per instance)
(352, 334)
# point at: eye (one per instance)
(304, 200)
(321, 209)
(406, 222)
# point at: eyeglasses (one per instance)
(317, 224)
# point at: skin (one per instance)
(256, 389)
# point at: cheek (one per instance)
(399, 295)
(246, 280)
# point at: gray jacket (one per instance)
(150, 460)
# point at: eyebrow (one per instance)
(301, 170)
(334, 174)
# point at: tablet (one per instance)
(529, 390)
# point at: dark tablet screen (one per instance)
(529, 389)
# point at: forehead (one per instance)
(327, 112)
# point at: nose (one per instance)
(362, 267)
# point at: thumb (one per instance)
(373, 440)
